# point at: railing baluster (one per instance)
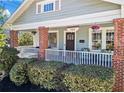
(90, 58)
(100, 61)
(97, 59)
(82, 57)
(105, 60)
(94, 59)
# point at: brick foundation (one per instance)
(13, 39)
(118, 57)
(43, 41)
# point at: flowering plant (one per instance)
(95, 27)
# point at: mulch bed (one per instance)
(7, 86)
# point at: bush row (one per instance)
(60, 76)
(88, 78)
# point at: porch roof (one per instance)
(101, 17)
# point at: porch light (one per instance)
(95, 27)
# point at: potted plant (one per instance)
(110, 47)
(85, 49)
(98, 45)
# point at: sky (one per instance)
(10, 5)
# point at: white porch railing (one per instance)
(27, 52)
(79, 57)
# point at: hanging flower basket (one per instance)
(95, 27)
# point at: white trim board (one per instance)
(100, 17)
(121, 2)
(20, 10)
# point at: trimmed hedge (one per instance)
(63, 77)
(8, 57)
(18, 73)
(84, 78)
(45, 74)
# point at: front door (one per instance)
(70, 41)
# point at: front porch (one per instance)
(77, 45)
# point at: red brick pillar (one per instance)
(43, 41)
(118, 57)
(13, 38)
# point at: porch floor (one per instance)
(27, 52)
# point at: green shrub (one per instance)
(45, 74)
(82, 78)
(26, 39)
(18, 73)
(8, 57)
(2, 40)
(1, 66)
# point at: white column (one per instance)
(122, 11)
(104, 38)
(36, 40)
(90, 38)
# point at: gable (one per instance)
(69, 8)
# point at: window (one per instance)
(47, 6)
(102, 40)
(110, 40)
(96, 40)
(52, 40)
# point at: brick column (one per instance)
(118, 57)
(13, 38)
(43, 41)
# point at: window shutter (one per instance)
(57, 5)
(39, 8)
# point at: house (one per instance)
(74, 31)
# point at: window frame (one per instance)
(111, 35)
(97, 40)
(57, 34)
(42, 3)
